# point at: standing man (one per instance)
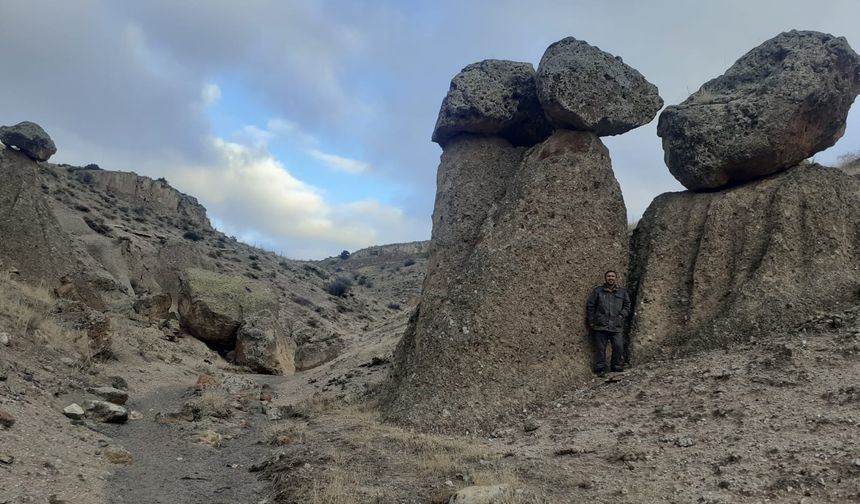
(606, 311)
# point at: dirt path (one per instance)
(171, 466)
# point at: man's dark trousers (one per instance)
(601, 338)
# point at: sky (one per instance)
(304, 126)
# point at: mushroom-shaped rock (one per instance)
(777, 105)
(262, 346)
(583, 88)
(29, 138)
(493, 97)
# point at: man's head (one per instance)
(610, 277)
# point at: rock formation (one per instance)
(493, 97)
(29, 138)
(714, 267)
(262, 346)
(777, 105)
(584, 88)
(751, 259)
(212, 306)
(519, 236)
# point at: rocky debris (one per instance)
(744, 262)
(118, 455)
(209, 438)
(318, 350)
(493, 97)
(6, 419)
(583, 88)
(106, 412)
(4, 339)
(98, 327)
(483, 494)
(777, 105)
(205, 381)
(212, 306)
(155, 307)
(531, 424)
(6, 459)
(262, 346)
(110, 394)
(74, 411)
(29, 138)
(484, 328)
(171, 327)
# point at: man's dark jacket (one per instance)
(606, 310)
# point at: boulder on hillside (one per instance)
(29, 138)
(583, 88)
(744, 262)
(155, 307)
(212, 306)
(508, 328)
(262, 346)
(777, 105)
(493, 97)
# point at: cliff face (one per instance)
(144, 191)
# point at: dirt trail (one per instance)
(170, 465)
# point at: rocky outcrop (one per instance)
(777, 105)
(743, 262)
(32, 242)
(143, 191)
(395, 249)
(503, 299)
(155, 307)
(493, 97)
(262, 346)
(583, 88)
(29, 138)
(212, 306)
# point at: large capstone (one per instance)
(777, 105)
(501, 318)
(713, 268)
(263, 346)
(584, 88)
(493, 97)
(29, 138)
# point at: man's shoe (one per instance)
(618, 370)
(600, 372)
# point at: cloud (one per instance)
(253, 195)
(210, 94)
(339, 163)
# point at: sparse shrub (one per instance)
(301, 301)
(255, 265)
(408, 262)
(253, 257)
(393, 306)
(192, 235)
(85, 178)
(82, 208)
(344, 255)
(98, 225)
(339, 287)
(92, 166)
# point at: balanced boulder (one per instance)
(712, 268)
(29, 138)
(481, 343)
(583, 88)
(777, 105)
(493, 97)
(262, 346)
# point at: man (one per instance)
(606, 313)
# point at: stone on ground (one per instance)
(480, 494)
(584, 88)
(110, 394)
(7, 420)
(493, 97)
(107, 412)
(155, 307)
(777, 105)
(74, 411)
(716, 267)
(118, 455)
(29, 138)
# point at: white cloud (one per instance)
(340, 163)
(252, 194)
(291, 131)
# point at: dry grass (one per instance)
(26, 310)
